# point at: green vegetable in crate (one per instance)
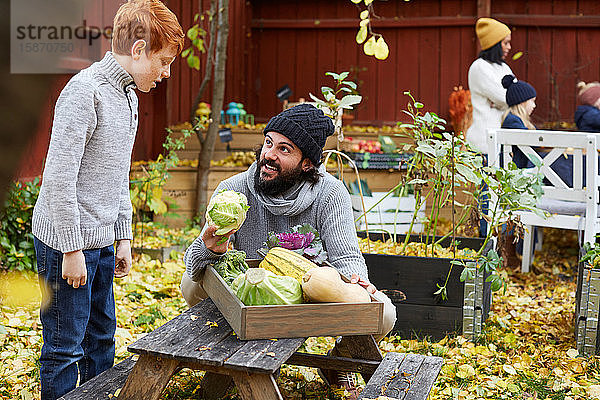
(227, 210)
(259, 287)
(231, 264)
(287, 263)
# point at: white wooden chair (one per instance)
(573, 207)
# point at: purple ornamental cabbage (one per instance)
(295, 240)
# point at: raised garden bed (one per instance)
(423, 313)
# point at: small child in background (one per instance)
(520, 97)
(587, 114)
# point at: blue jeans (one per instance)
(78, 324)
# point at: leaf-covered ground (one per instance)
(527, 351)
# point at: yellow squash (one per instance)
(286, 262)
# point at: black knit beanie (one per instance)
(517, 91)
(306, 126)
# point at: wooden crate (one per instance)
(290, 321)
(243, 140)
(422, 313)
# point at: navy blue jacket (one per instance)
(587, 118)
(513, 122)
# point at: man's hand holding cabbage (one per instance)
(225, 213)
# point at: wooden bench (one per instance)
(103, 386)
(404, 377)
(201, 339)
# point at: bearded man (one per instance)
(288, 186)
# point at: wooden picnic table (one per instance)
(201, 339)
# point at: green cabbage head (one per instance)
(258, 287)
(227, 210)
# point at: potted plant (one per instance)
(447, 280)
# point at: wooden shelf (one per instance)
(248, 140)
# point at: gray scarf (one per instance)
(292, 202)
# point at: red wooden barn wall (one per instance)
(432, 43)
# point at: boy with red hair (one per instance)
(84, 205)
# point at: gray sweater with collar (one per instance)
(84, 199)
(326, 206)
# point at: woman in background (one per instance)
(485, 74)
(487, 94)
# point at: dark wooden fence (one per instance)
(432, 43)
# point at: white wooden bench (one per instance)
(572, 206)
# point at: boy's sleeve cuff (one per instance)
(69, 239)
(123, 230)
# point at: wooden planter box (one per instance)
(290, 321)
(587, 310)
(180, 188)
(423, 313)
(247, 140)
(384, 215)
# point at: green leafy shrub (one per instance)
(16, 240)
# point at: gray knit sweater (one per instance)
(326, 206)
(84, 199)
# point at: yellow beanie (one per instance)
(489, 31)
